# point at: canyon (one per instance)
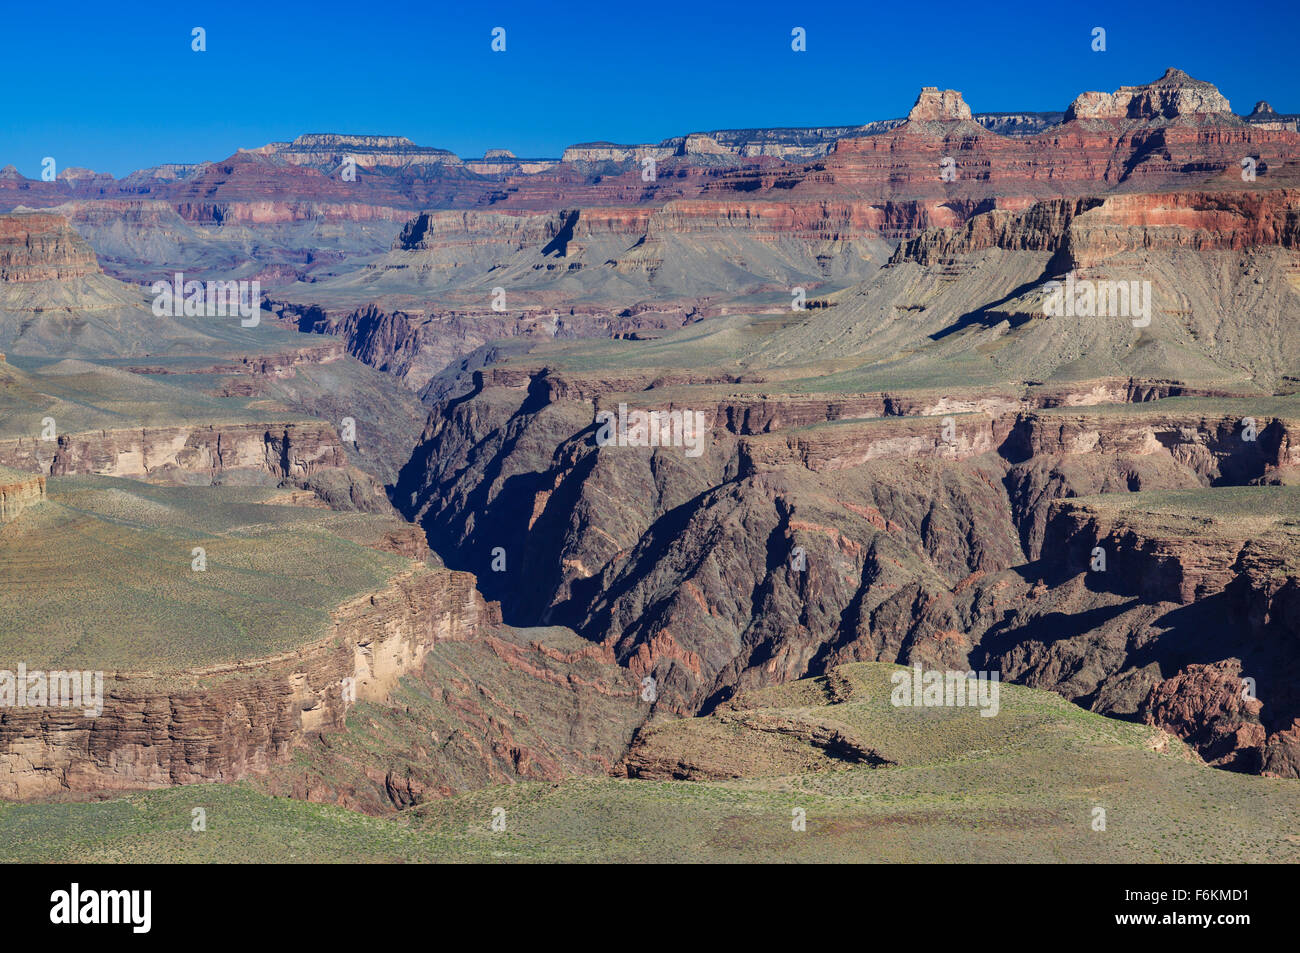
(908, 459)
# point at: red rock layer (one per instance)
(42, 247)
(1090, 229)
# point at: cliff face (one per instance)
(18, 493)
(512, 705)
(42, 247)
(227, 723)
(253, 190)
(1236, 581)
(447, 229)
(1192, 220)
(1086, 231)
(414, 346)
(1044, 226)
(1073, 159)
(280, 365)
(1210, 445)
(368, 152)
(772, 219)
(801, 144)
(271, 212)
(802, 538)
(1173, 133)
(936, 104)
(1170, 561)
(1173, 95)
(289, 451)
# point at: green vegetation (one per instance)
(83, 397)
(1267, 516)
(8, 475)
(1260, 505)
(1262, 408)
(1018, 787)
(100, 576)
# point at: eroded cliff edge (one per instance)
(224, 723)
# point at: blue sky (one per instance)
(116, 87)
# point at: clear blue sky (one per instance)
(116, 87)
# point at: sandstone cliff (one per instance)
(936, 104)
(1086, 231)
(1173, 95)
(225, 723)
(329, 150)
(42, 247)
(18, 492)
(285, 451)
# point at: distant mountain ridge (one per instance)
(1173, 94)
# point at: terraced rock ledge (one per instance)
(214, 674)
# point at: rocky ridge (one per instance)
(1174, 95)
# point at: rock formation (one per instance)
(18, 492)
(42, 247)
(1174, 95)
(223, 724)
(331, 150)
(935, 104)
